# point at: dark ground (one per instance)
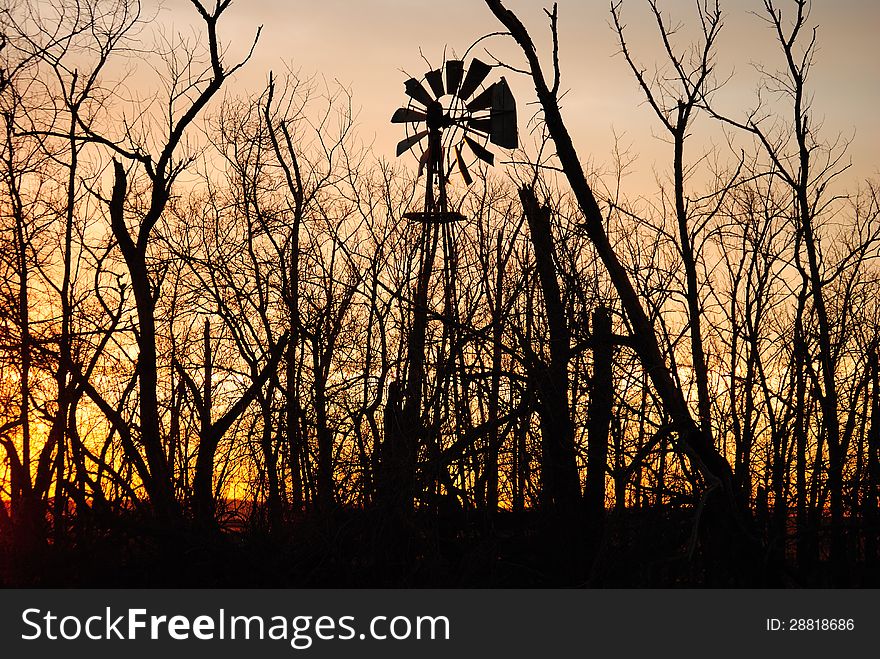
(643, 548)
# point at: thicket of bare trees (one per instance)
(207, 326)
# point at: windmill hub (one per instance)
(436, 119)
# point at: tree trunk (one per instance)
(599, 422)
(157, 480)
(559, 473)
(692, 293)
(495, 392)
(872, 496)
(324, 481)
(203, 480)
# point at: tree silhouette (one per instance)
(229, 358)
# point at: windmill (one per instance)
(451, 118)
(458, 123)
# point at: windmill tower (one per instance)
(451, 117)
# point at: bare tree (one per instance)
(807, 167)
(732, 514)
(161, 173)
(675, 102)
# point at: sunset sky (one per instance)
(228, 340)
(368, 45)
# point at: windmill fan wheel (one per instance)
(463, 114)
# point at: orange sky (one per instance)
(365, 44)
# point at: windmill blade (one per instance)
(475, 76)
(407, 115)
(409, 142)
(484, 100)
(415, 91)
(479, 151)
(462, 167)
(435, 80)
(454, 72)
(482, 124)
(503, 117)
